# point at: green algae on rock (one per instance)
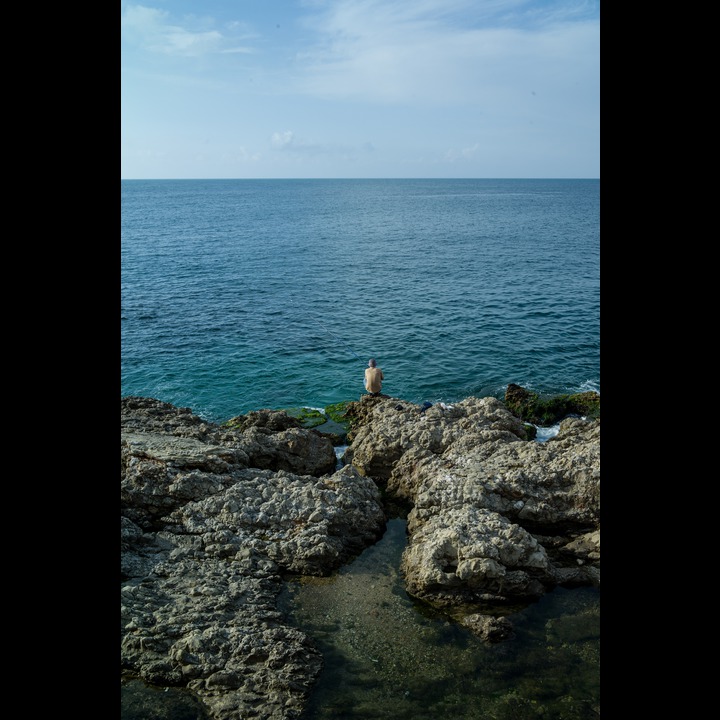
(529, 406)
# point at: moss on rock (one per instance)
(308, 417)
(336, 412)
(530, 407)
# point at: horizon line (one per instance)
(360, 178)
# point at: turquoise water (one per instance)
(238, 295)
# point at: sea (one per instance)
(239, 295)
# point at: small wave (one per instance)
(545, 433)
(590, 386)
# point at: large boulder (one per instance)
(385, 430)
(471, 555)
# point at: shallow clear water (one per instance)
(387, 656)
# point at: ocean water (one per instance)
(238, 295)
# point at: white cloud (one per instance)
(282, 140)
(288, 142)
(151, 29)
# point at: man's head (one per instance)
(372, 363)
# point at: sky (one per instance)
(360, 89)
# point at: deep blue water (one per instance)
(246, 294)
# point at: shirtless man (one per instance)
(373, 378)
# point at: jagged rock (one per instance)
(467, 555)
(472, 459)
(489, 628)
(213, 516)
(386, 430)
(273, 420)
(207, 529)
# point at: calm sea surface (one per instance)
(243, 294)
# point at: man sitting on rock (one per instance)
(373, 378)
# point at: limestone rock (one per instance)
(213, 516)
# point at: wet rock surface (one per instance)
(215, 519)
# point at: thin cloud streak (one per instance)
(435, 86)
(151, 30)
(379, 52)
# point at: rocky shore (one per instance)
(214, 518)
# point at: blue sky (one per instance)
(360, 89)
